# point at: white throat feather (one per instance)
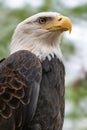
(39, 47)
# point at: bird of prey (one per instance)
(32, 76)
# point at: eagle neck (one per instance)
(38, 47)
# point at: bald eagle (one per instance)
(32, 77)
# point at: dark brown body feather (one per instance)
(49, 113)
(50, 109)
(20, 76)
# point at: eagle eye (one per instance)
(42, 20)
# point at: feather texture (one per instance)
(20, 74)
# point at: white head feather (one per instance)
(30, 36)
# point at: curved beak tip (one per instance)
(69, 25)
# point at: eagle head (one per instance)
(40, 34)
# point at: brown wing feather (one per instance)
(17, 74)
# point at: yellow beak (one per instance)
(60, 23)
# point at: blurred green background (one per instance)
(74, 48)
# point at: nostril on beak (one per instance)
(60, 19)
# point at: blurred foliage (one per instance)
(80, 11)
(77, 94)
(9, 18)
(67, 47)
